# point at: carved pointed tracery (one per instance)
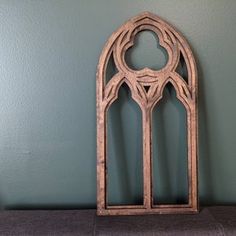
(146, 87)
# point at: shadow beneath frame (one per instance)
(48, 206)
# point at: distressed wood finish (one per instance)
(116, 46)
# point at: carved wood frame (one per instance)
(174, 43)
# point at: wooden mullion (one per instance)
(147, 170)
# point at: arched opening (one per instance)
(111, 69)
(124, 151)
(181, 68)
(170, 163)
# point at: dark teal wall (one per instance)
(49, 51)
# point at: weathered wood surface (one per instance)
(116, 46)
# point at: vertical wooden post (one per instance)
(147, 168)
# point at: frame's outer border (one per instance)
(186, 92)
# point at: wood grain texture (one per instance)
(116, 46)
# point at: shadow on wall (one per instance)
(170, 181)
(124, 150)
(125, 185)
(205, 162)
(2, 202)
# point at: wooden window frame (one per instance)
(117, 45)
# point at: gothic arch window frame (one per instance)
(117, 45)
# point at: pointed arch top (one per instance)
(169, 38)
(138, 81)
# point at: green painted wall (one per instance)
(49, 51)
